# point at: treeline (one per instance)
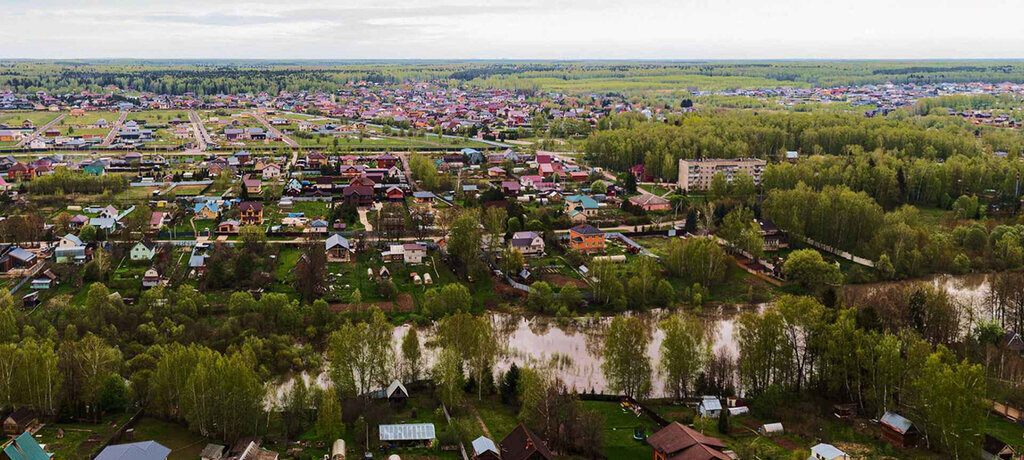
(63, 181)
(733, 134)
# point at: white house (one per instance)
(143, 250)
(409, 253)
(528, 243)
(827, 452)
(271, 171)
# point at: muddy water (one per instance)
(573, 348)
(970, 290)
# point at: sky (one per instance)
(512, 29)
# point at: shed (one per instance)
(827, 452)
(739, 410)
(485, 449)
(993, 448)
(212, 452)
(898, 430)
(709, 406)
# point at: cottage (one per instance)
(207, 210)
(580, 207)
(394, 194)
(649, 202)
(151, 278)
(338, 248)
(679, 442)
(69, 249)
(528, 243)
(898, 430)
(586, 239)
(229, 227)
(252, 186)
(510, 187)
(18, 421)
(523, 444)
(271, 171)
(143, 250)
(13, 257)
(358, 195)
(409, 253)
(158, 219)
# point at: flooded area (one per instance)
(573, 348)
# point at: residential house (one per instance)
(586, 238)
(158, 219)
(146, 450)
(528, 243)
(359, 195)
(151, 278)
(580, 207)
(338, 248)
(511, 187)
(423, 197)
(21, 171)
(409, 253)
(252, 186)
(143, 250)
(319, 226)
(315, 160)
(207, 210)
(650, 202)
(394, 393)
(271, 171)
(251, 213)
(213, 452)
(394, 194)
(773, 237)
(20, 420)
(679, 442)
(69, 249)
(386, 160)
(523, 444)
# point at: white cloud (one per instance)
(558, 29)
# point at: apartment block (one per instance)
(697, 174)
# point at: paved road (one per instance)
(202, 137)
(271, 128)
(109, 138)
(40, 131)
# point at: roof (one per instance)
(22, 416)
(212, 451)
(73, 238)
(484, 444)
(586, 229)
(25, 447)
(586, 201)
(147, 450)
(996, 447)
(897, 422)
(22, 254)
(679, 442)
(522, 443)
(407, 432)
(711, 403)
(827, 451)
(647, 199)
(247, 206)
(338, 240)
(395, 386)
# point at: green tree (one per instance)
(411, 355)
(626, 364)
(807, 268)
(685, 351)
(329, 423)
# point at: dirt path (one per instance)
(116, 128)
(481, 422)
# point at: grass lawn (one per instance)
(618, 430)
(499, 418)
(72, 446)
(184, 444)
(1005, 431)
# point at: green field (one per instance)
(184, 444)
(14, 118)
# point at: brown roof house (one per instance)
(523, 444)
(18, 421)
(679, 442)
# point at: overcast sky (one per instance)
(512, 29)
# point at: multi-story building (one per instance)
(697, 174)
